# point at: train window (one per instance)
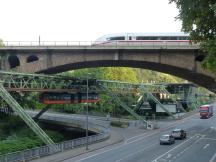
(183, 38)
(165, 38)
(142, 38)
(117, 38)
(147, 38)
(173, 38)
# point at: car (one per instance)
(179, 134)
(167, 139)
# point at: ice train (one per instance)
(177, 37)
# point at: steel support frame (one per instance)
(24, 116)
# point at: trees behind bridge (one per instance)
(106, 104)
(199, 19)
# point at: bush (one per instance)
(119, 124)
(16, 136)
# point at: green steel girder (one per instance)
(173, 98)
(13, 81)
(123, 105)
(151, 96)
(26, 118)
(128, 87)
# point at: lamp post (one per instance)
(87, 111)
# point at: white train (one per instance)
(144, 38)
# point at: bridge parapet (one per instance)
(98, 45)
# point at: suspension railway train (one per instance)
(144, 38)
(67, 98)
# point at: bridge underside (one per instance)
(197, 78)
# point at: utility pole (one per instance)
(87, 111)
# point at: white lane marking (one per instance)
(169, 156)
(155, 160)
(115, 147)
(214, 139)
(129, 139)
(125, 157)
(213, 158)
(160, 130)
(207, 145)
(128, 142)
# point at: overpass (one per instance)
(177, 59)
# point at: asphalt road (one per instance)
(200, 145)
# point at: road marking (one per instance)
(213, 158)
(207, 145)
(128, 142)
(157, 131)
(125, 157)
(214, 139)
(116, 147)
(155, 160)
(169, 156)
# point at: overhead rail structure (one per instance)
(123, 105)
(12, 81)
(26, 118)
(21, 82)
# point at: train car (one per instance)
(55, 98)
(92, 97)
(143, 39)
(206, 111)
(67, 98)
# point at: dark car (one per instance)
(179, 134)
(167, 139)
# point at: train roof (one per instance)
(154, 34)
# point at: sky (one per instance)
(83, 20)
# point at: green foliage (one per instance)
(16, 136)
(120, 74)
(106, 104)
(1, 42)
(120, 124)
(69, 108)
(199, 19)
(82, 73)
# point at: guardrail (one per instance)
(30, 154)
(154, 43)
(39, 152)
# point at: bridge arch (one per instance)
(13, 61)
(197, 78)
(32, 58)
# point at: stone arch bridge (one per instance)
(183, 61)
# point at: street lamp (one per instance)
(87, 111)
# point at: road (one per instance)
(200, 145)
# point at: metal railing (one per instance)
(29, 154)
(39, 152)
(152, 44)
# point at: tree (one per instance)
(120, 74)
(1, 43)
(199, 19)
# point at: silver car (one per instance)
(167, 139)
(179, 134)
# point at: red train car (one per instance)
(67, 98)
